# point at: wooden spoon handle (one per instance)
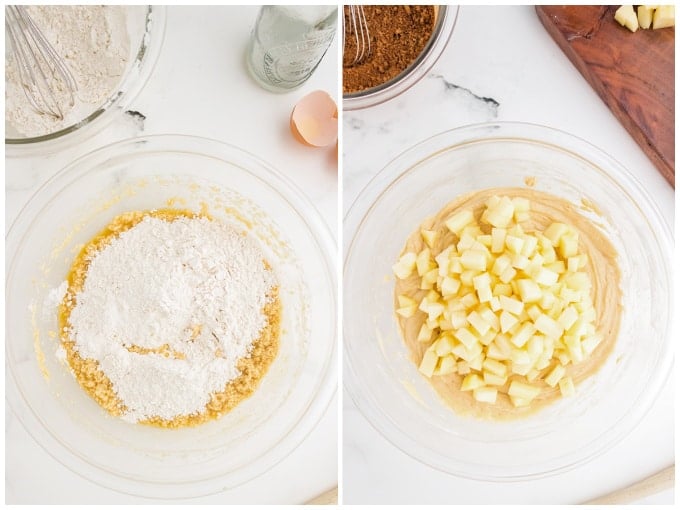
(658, 482)
(330, 497)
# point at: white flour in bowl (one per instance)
(168, 309)
(94, 43)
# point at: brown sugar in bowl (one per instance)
(406, 41)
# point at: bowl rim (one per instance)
(364, 203)
(428, 57)
(309, 417)
(147, 57)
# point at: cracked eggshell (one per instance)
(314, 120)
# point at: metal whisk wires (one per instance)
(356, 29)
(45, 78)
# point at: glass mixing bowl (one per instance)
(152, 172)
(445, 22)
(386, 385)
(146, 28)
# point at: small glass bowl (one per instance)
(146, 27)
(154, 172)
(386, 385)
(445, 22)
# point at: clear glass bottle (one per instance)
(288, 42)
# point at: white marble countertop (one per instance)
(199, 87)
(502, 53)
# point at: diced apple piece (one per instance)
(428, 363)
(502, 289)
(507, 320)
(548, 326)
(508, 274)
(494, 352)
(493, 379)
(449, 286)
(533, 312)
(473, 259)
(514, 244)
(522, 336)
(482, 284)
(625, 15)
(519, 261)
(501, 264)
(529, 290)
(429, 279)
(447, 365)
(478, 322)
(499, 215)
(567, 387)
(462, 367)
(495, 303)
(485, 239)
(485, 394)
(555, 232)
(425, 334)
(490, 317)
(424, 262)
(529, 248)
(497, 239)
(512, 305)
(405, 301)
(494, 367)
(521, 204)
(466, 242)
(476, 362)
(471, 382)
(455, 267)
(459, 221)
(520, 357)
(568, 245)
(407, 311)
(546, 277)
(576, 262)
(644, 15)
(466, 337)
(535, 346)
(568, 317)
(664, 16)
(405, 266)
(521, 390)
(590, 343)
(555, 375)
(467, 276)
(487, 337)
(444, 344)
(547, 300)
(458, 319)
(429, 236)
(574, 348)
(469, 300)
(443, 260)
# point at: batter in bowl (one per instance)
(170, 318)
(601, 268)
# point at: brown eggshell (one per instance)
(314, 120)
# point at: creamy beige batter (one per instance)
(602, 268)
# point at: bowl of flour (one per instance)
(110, 51)
(214, 193)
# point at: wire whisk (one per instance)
(356, 31)
(45, 78)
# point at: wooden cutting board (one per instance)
(633, 73)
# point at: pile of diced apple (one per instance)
(656, 16)
(506, 309)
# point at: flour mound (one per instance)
(168, 308)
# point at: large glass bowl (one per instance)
(445, 21)
(379, 374)
(146, 28)
(194, 173)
